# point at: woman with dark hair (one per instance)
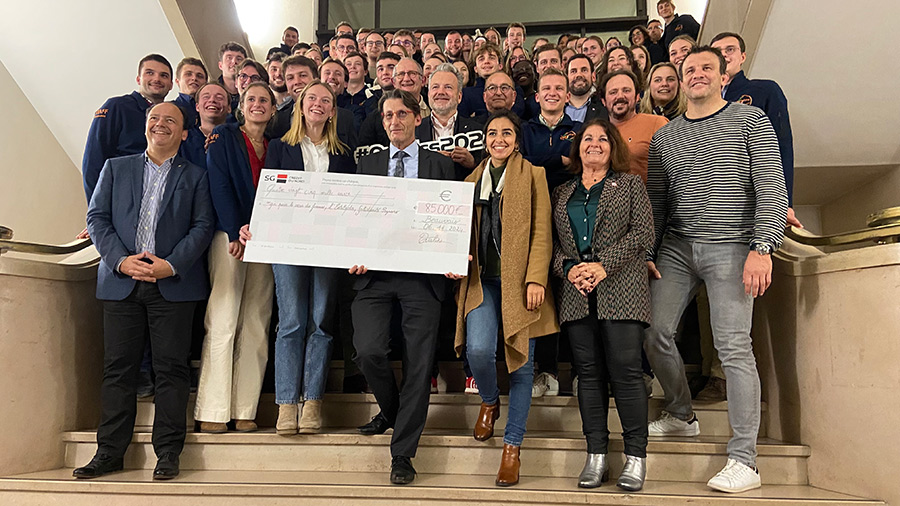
(664, 90)
(620, 58)
(466, 71)
(612, 42)
(512, 222)
(235, 350)
(306, 296)
(603, 226)
(638, 36)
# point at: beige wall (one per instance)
(41, 196)
(51, 362)
(849, 211)
(264, 22)
(212, 23)
(828, 351)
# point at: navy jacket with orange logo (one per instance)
(117, 130)
(767, 95)
(545, 148)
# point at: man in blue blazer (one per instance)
(419, 296)
(151, 219)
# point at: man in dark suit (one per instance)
(444, 94)
(151, 219)
(419, 297)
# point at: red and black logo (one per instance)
(281, 178)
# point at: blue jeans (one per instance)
(305, 298)
(684, 265)
(482, 325)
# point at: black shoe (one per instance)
(402, 471)
(98, 466)
(356, 384)
(378, 425)
(166, 466)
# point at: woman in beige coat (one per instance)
(512, 222)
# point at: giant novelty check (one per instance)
(341, 220)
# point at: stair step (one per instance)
(459, 411)
(264, 488)
(544, 454)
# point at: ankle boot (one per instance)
(595, 472)
(287, 419)
(484, 426)
(632, 477)
(311, 417)
(509, 466)
(245, 426)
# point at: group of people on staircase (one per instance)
(611, 186)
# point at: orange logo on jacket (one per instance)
(746, 99)
(101, 113)
(211, 139)
(568, 136)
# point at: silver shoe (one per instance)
(632, 477)
(596, 471)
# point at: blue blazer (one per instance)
(282, 155)
(230, 179)
(183, 232)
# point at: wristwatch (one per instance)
(762, 248)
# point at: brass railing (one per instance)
(884, 228)
(8, 244)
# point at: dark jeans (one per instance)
(125, 325)
(604, 352)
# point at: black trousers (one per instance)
(609, 352)
(125, 325)
(407, 406)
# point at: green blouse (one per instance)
(582, 209)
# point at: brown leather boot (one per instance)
(484, 425)
(508, 475)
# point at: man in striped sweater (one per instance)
(719, 208)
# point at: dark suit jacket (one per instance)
(425, 133)
(282, 155)
(622, 234)
(345, 128)
(183, 232)
(431, 166)
(230, 178)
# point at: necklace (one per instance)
(594, 175)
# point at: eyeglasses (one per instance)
(374, 43)
(254, 78)
(407, 73)
(401, 115)
(504, 88)
(729, 50)
(407, 43)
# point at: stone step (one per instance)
(459, 411)
(269, 488)
(544, 454)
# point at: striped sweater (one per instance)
(718, 179)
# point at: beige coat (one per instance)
(526, 248)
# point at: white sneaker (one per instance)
(545, 384)
(575, 386)
(668, 425)
(735, 477)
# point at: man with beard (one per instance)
(298, 72)
(407, 77)
(717, 217)
(118, 126)
(276, 77)
(231, 54)
(444, 94)
(583, 105)
(212, 108)
(375, 45)
(190, 76)
(487, 60)
(453, 45)
(619, 92)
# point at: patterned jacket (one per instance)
(622, 234)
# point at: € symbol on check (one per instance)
(445, 195)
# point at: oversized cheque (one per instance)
(341, 220)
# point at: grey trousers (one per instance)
(683, 265)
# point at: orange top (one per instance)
(637, 133)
